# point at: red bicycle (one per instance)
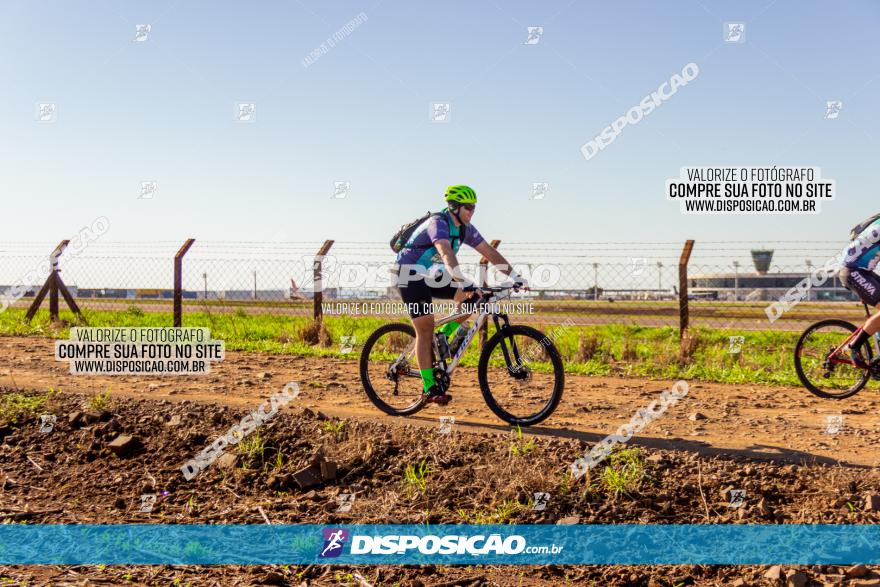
(823, 364)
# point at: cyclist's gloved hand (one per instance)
(519, 282)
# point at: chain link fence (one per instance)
(722, 285)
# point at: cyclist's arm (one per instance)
(444, 247)
(496, 258)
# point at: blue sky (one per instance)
(163, 110)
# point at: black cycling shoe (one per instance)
(435, 395)
(858, 359)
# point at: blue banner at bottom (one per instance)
(623, 544)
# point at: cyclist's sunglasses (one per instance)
(469, 207)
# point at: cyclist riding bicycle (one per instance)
(857, 273)
(428, 268)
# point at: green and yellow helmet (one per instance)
(461, 194)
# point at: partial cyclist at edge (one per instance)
(427, 267)
(860, 258)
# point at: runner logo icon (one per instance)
(334, 540)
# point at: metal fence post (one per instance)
(484, 281)
(316, 277)
(683, 287)
(178, 281)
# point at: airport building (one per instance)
(762, 284)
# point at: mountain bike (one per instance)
(519, 369)
(823, 364)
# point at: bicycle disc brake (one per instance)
(828, 365)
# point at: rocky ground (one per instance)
(104, 452)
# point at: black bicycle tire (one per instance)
(558, 369)
(803, 376)
(364, 367)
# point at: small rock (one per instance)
(857, 572)
(739, 583)
(696, 416)
(310, 495)
(273, 578)
(174, 421)
(328, 470)
(796, 579)
(655, 458)
(774, 573)
(122, 444)
(762, 508)
(569, 521)
(279, 482)
(227, 461)
(75, 418)
(265, 375)
(872, 502)
(308, 477)
(318, 458)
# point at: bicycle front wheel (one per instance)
(823, 374)
(389, 371)
(521, 375)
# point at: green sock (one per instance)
(427, 378)
(449, 328)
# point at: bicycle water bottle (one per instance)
(458, 338)
(442, 345)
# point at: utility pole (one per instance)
(659, 277)
(595, 282)
(735, 280)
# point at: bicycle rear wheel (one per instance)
(389, 371)
(823, 375)
(521, 375)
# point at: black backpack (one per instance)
(858, 228)
(402, 236)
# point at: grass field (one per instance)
(765, 356)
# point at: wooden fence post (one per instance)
(683, 316)
(178, 281)
(54, 284)
(316, 278)
(484, 281)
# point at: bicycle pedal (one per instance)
(440, 400)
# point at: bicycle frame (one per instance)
(489, 307)
(833, 357)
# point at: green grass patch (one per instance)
(624, 472)
(15, 407)
(622, 350)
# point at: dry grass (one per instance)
(629, 350)
(690, 342)
(314, 333)
(396, 342)
(588, 346)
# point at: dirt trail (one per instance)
(782, 423)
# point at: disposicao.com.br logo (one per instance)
(335, 538)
